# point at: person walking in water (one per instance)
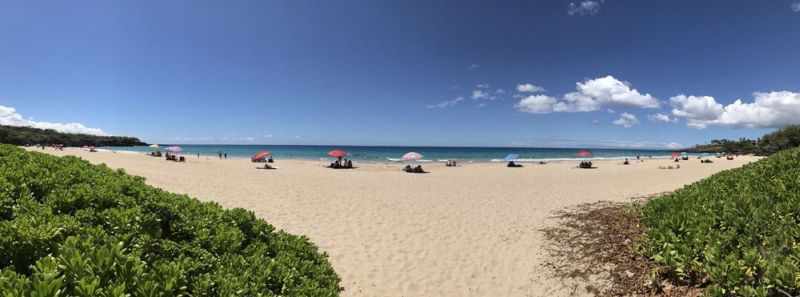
(226, 155)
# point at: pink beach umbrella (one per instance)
(174, 149)
(337, 153)
(261, 155)
(410, 156)
(584, 153)
(675, 155)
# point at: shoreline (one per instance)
(425, 161)
(473, 230)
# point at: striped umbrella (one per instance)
(155, 147)
(410, 156)
(511, 157)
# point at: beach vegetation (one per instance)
(32, 136)
(735, 233)
(785, 138)
(71, 228)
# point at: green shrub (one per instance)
(71, 228)
(737, 230)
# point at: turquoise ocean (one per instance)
(385, 153)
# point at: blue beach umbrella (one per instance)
(511, 157)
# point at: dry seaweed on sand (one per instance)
(597, 246)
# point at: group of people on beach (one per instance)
(342, 164)
(417, 169)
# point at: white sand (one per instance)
(466, 231)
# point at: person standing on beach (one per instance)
(220, 155)
(226, 155)
(198, 155)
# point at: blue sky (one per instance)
(613, 73)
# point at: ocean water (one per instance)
(384, 153)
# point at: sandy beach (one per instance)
(473, 230)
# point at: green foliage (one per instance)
(30, 136)
(741, 146)
(70, 228)
(782, 139)
(738, 229)
(785, 138)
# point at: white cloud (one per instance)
(500, 91)
(661, 118)
(447, 103)
(674, 145)
(626, 120)
(479, 95)
(796, 7)
(609, 91)
(598, 93)
(586, 7)
(529, 88)
(481, 105)
(611, 111)
(482, 86)
(10, 117)
(536, 104)
(268, 136)
(473, 66)
(768, 110)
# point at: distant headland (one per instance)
(30, 136)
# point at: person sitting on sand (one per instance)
(626, 162)
(408, 168)
(419, 169)
(448, 163)
(349, 164)
(267, 166)
(512, 164)
(270, 160)
(678, 166)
